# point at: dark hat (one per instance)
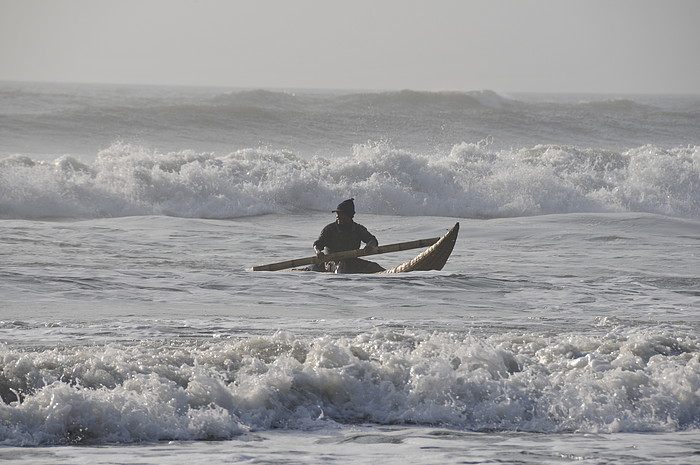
(347, 207)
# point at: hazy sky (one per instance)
(617, 46)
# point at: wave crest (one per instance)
(626, 380)
(471, 180)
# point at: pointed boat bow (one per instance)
(433, 258)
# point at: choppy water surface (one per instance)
(564, 327)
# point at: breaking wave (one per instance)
(470, 180)
(625, 381)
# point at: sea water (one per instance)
(564, 327)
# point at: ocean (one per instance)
(563, 329)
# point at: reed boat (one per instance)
(434, 257)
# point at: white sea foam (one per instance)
(622, 381)
(471, 180)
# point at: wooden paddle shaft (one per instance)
(348, 254)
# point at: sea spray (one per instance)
(624, 380)
(470, 180)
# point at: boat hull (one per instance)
(433, 258)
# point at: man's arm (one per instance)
(321, 243)
(369, 239)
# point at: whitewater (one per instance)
(564, 327)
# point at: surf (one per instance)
(626, 380)
(470, 180)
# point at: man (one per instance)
(344, 234)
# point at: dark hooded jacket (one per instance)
(339, 238)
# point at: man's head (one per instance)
(345, 211)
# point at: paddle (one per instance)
(348, 254)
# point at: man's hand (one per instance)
(319, 253)
(371, 245)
